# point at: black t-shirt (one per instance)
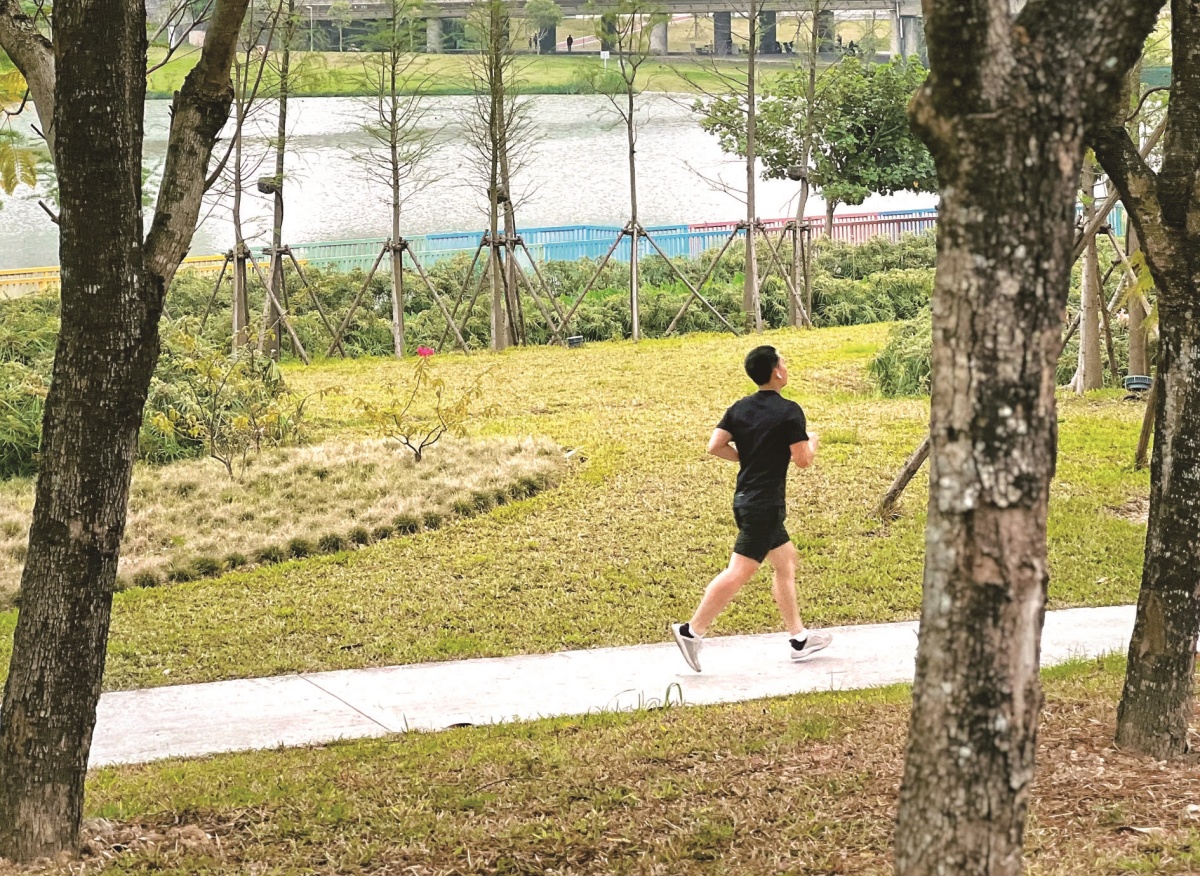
(764, 427)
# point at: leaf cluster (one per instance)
(862, 141)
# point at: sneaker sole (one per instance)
(687, 658)
(808, 652)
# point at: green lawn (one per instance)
(803, 784)
(629, 540)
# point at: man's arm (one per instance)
(718, 445)
(803, 452)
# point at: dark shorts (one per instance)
(760, 531)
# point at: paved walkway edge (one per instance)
(295, 710)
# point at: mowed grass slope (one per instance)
(630, 539)
(344, 74)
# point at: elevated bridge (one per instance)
(443, 19)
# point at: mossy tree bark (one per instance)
(113, 284)
(1164, 206)
(1005, 112)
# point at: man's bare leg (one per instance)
(721, 590)
(783, 586)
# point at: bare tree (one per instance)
(242, 160)
(1164, 206)
(629, 29)
(499, 128)
(93, 98)
(739, 83)
(400, 140)
(1005, 112)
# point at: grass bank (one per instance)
(628, 541)
(804, 784)
(342, 74)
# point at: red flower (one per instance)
(424, 352)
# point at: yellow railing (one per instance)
(27, 281)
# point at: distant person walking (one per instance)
(762, 433)
(570, 42)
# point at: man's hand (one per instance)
(803, 452)
(718, 445)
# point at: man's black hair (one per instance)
(760, 362)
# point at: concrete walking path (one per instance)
(293, 710)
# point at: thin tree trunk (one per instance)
(1091, 368)
(275, 319)
(241, 314)
(397, 254)
(750, 295)
(798, 252)
(830, 207)
(398, 301)
(1003, 113)
(631, 136)
(1139, 361)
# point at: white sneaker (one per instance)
(812, 642)
(689, 646)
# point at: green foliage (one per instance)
(228, 405)
(861, 141)
(18, 162)
(904, 365)
(423, 413)
(201, 400)
(22, 397)
(543, 13)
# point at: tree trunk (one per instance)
(275, 319)
(107, 349)
(1156, 704)
(1139, 361)
(1164, 206)
(397, 301)
(631, 139)
(830, 207)
(1091, 368)
(750, 295)
(1003, 113)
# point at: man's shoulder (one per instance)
(789, 407)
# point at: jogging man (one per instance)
(762, 433)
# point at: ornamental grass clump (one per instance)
(188, 520)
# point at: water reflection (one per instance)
(577, 175)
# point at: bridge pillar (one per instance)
(826, 30)
(433, 35)
(768, 44)
(913, 40)
(547, 41)
(722, 33)
(658, 38)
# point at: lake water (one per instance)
(577, 174)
